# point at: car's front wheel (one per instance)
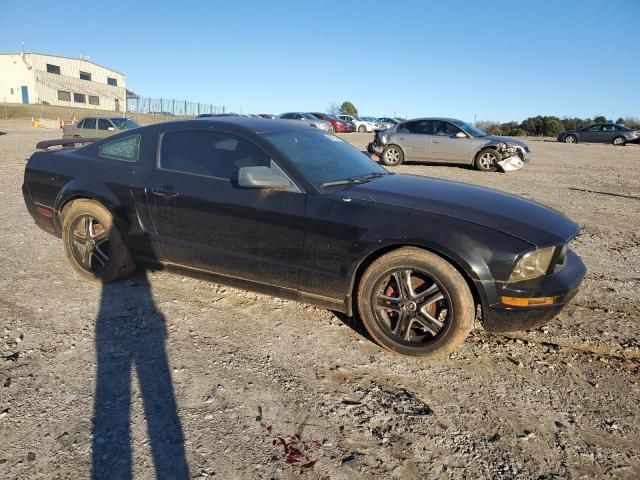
(362, 129)
(619, 141)
(93, 244)
(415, 303)
(487, 160)
(392, 155)
(570, 139)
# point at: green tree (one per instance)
(348, 108)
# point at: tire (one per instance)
(362, 129)
(619, 141)
(93, 244)
(570, 139)
(487, 160)
(431, 319)
(392, 156)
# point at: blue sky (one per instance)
(499, 60)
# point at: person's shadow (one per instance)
(130, 336)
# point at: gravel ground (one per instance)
(181, 378)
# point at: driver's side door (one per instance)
(203, 219)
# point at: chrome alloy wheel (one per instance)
(392, 156)
(488, 160)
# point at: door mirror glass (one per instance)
(262, 177)
(461, 135)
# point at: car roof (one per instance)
(442, 119)
(253, 124)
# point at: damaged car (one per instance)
(447, 140)
(296, 212)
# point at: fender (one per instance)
(468, 252)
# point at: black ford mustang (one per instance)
(285, 209)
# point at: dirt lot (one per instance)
(223, 383)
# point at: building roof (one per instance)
(62, 56)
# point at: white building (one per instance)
(36, 78)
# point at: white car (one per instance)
(361, 124)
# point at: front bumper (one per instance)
(563, 285)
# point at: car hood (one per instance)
(510, 214)
(499, 138)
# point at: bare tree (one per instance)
(333, 109)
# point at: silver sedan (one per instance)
(310, 119)
(447, 140)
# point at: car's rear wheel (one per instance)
(392, 155)
(619, 141)
(415, 303)
(570, 139)
(93, 244)
(362, 129)
(487, 160)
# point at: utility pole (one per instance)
(475, 119)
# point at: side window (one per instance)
(608, 128)
(444, 129)
(211, 154)
(104, 124)
(405, 127)
(124, 148)
(595, 128)
(80, 124)
(89, 123)
(286, 116)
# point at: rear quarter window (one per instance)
(125, 148)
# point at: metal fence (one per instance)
(170, 107)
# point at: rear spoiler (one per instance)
(63, 142)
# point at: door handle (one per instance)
(163, 191)
(434, 141)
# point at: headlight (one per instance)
(532, 265)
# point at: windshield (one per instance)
(369, 119)
(124, 123)
(470, 129)
(323, 157)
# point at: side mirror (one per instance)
(461, 135)
(262, 177)
(111, 129)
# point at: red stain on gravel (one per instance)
(295, 451)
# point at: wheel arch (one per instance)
(479, 296)
(98, 193)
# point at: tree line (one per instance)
(548, 126)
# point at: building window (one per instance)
(85, 76)
(53, 68)
(12, 91)
(93, 100)
(112, 81)
(64, 96)
(79, 98)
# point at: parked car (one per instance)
(210, 115)
(267, 115)
(600, 133)
(361, 125)
(308, 119)
(446, 140)
(337, 124)
(288, 210)
(388, 122)
(98, 127)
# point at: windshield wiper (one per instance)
(353, 180)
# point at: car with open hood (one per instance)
(448, 140)
(280, 208)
